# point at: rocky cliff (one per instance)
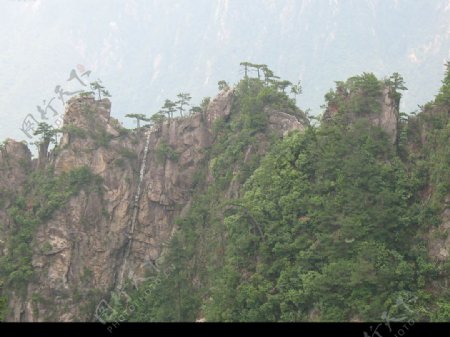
(385, 115)
(92, 244)
(226, 208)
(15, 165)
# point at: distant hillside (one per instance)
(146, 51)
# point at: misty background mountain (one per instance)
(147, 51)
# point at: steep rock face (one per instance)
(220, 106)
(92, 236)
(386, 118)
(279, 122)
(439, 238)
(428, 139)
(88, 128)
(15, 165)
(88, 237)
(283, 123)
(15, 162)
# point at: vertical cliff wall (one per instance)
(88, 247)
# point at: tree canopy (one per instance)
(138, 117)
(100, 89)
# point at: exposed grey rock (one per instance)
(89, 235)
(283, 123)
(220, 106)
(387, 118)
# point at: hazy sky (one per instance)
(147, 51)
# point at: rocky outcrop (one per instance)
(220, 107)
(439, 237)
(283, 123)
(88, 134)
(15, 163)
(15, 166)
(79, 253)
(438, 245)
(386, 118)
(88, 237)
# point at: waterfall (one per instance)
(136, 199)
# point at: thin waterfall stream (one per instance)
(136, 199)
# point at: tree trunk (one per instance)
(43, 152)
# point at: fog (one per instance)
(147, 51)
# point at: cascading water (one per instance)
(135, 212)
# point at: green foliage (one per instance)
(158, 118)
(297, 89)
(116, 124)
(46, 248)
(5, 196)
(183, 100)
(328, 226)
(324, 226)
(435, 155)
(85, 94)
(97, 131)
(87, 275)
(123, 131)
(44, 194)
(223, 85)
(2, 146)
(97, 86)
(101, 137)
(3, 307)
(255, 98)
(47, 132)
(195, 109)
(164, 296)
(196, 252)
(126, 156)
(166, 152)
(168, 108)
(74, 131)
(254, 117)
(444, 93)
(359, 95)
(396, 84)
(139, 118)
(205, 102)
(442, 314)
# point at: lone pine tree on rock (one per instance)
(48, 135)
(139, 117)
(97, 86)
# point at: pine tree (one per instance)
(48, 135)
(183, 100)
(96, 86)
(139, 117)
